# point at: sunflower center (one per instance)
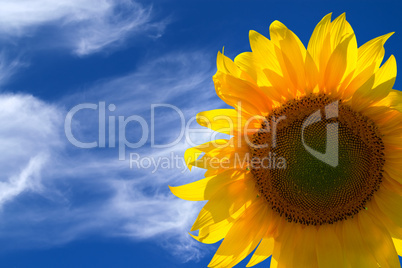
(331, 160)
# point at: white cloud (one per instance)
(139, 205)
(87, 26)
(156, 215)
(29, 134)
(180, 78)
(27, 179)
(91, 191)
(8, 67)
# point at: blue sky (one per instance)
(64, 206)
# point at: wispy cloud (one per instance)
(140, 206)
(89, 191)
(156, 215)
(75, 192)
(85, 26)
(8, 66)
(28, 136)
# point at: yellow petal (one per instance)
(329, 248)
(227, 66)
(317, 40)
(377, 213)
(337, 30)
(304, 245)
(356, 251)
(336, 66)
(340, 31)
(215, 232)
(288, 247)
(398, 245)
(281, 36)
(394, 174)
(378, 241)
(282, 235)
(204, 189)
(279, 85)
(233, 90)
(376, 88)
(253, 66)
(226, 202)
(392, 184)
(357, 82)
(290, 53)
(216, 235)
(394, 141)
(372, 52)
(385, 76)
(221, 120)
(274, 263)
(393, 100)
(389, 121)
(234, 156)
(390, 205)
(264, 250)
(194, 153)
(264, 50)
(335, 62)
(242, 238)
(311, 73)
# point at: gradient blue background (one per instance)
(49, 227)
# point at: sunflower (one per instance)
(312, 171)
